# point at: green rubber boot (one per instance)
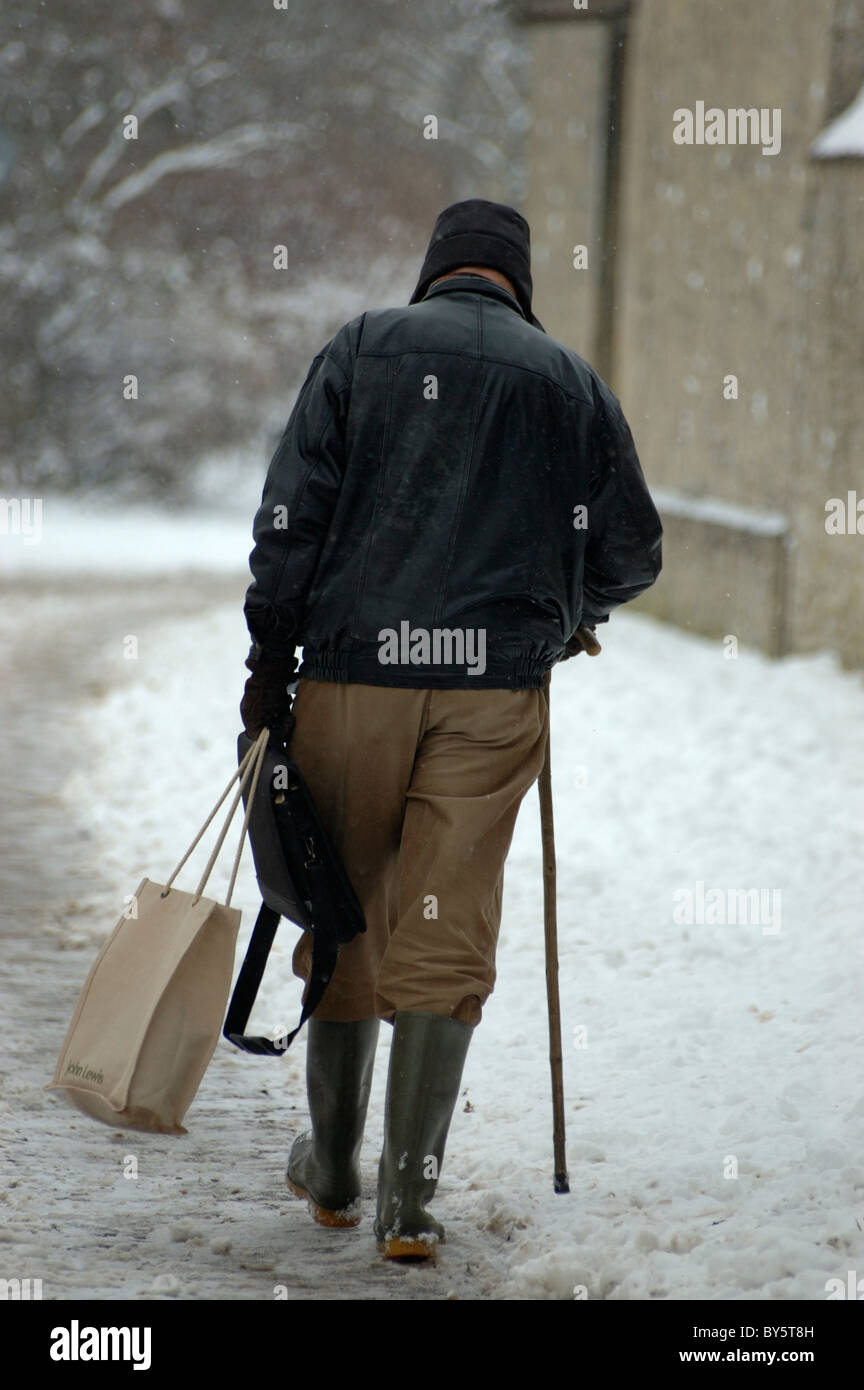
(427, 1056)
(323, 1164)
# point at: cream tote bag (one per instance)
(151, 1010)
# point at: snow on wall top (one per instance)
(719, 513)
(844, 136)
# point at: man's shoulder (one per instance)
(343, 346)
(514, 342)
(558, 362)
(578, 373)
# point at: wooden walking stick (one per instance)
(550, 925)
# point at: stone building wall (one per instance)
(708, 262)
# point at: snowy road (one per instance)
(208, 1216)
(715, 1104)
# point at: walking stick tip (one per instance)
(562, 1182)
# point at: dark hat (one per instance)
(477, 232)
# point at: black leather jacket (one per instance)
(430, 481)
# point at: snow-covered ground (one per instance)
(715, 1108)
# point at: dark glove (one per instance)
(583, 640)
(266, 702)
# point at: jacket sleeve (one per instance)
(623, 554)
(298, 501)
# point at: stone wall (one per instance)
(727, 263)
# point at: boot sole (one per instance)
(336, 1220)
(408, 1248)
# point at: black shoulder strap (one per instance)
(324, 956)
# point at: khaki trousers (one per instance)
(420, 790)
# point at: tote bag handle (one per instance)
(250, 767)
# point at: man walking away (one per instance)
(455, 505)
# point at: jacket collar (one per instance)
(475, 284)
